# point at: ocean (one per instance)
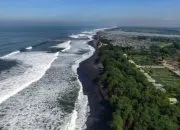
(39, 85)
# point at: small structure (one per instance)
(173, 100)
(100, 67)
(125, 55)
(132, 62)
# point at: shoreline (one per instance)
(88, 73)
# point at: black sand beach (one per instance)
(88, 72)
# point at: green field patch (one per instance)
(168, 79)
(164, 44)
(144, 59)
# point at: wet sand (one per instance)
(88, 72)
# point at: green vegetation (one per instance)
(163, 52)
(104, 40)
(144, 59)
(136, 104)
(176, 45)
(168, 79)
(171, 31)
(154, 55)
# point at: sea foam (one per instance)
(80, 113)
(10, 54)
(29, 48)
(38, 91)
(65, 45)
(37, 62)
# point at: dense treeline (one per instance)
(136, 104)
(164, 39)
(175, 41)
(155, 51)
(104, 40)
(163, 52)
(171, 31)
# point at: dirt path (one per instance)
(152, 66)
(172, 68)
(149, 78)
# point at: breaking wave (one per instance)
(37, 63)
(29, 48)
(10, 54)
(65, 46)
(46, 91)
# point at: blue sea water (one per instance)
(39, 85)
(16, 37)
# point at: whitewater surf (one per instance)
(43, 90)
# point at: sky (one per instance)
(110, 12)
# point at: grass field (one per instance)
(168, 79)
(144, 59)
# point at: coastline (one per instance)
(88, 72)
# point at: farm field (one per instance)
(144, 59)
(168, 79)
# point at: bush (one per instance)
(136, 104)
